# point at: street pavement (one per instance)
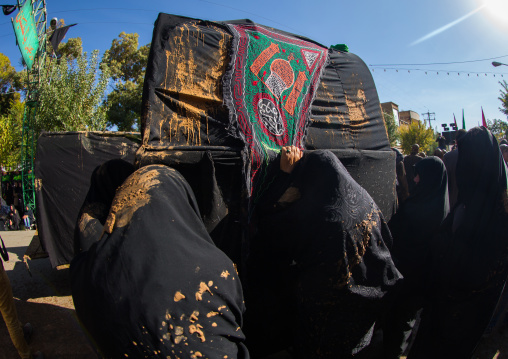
(43, 299)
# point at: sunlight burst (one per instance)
(498, 9)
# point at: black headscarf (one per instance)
(104, 181)
(322, 253)
(473, 247)
(418, 220)
(401, 185)
(155, 285)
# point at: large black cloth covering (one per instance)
(155, 285)
(473, 248)
(64, 163)
(186, 126)
(319, 271)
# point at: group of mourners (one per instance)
(10, 219)
(323, 271)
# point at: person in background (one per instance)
(14, 219)
(401, 185)
(450, 161)
(413, 226)
(471, 254)
(28, 218)
(504, 151)
(441, 142)
(409, 162)
(439, 153)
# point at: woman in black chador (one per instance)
(153, 285)
(413, 227)
(319, 268)
(472, 245)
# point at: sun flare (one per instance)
(497, 9)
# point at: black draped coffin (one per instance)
(64, 163)
(221, 98)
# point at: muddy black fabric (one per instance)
(473, 248)
(346, 113)
(183, 117)
(64, 163)
(155, 285)
(104, 181)
(319, 263)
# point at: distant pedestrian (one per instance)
(14, 219)
(441, 142)
(413, 227)
(504, 151)
(409, 162)
(28, 218)
(401, 185)
(450, 161)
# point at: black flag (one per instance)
(57, 37)
(8, 9)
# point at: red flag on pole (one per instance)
(484, 123)
(455, 120)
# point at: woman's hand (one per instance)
(288, 158)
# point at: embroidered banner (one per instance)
(268, 89)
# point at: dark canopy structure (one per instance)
(221, 99)
(64, 163)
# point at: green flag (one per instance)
(463, 120)
(26, 33)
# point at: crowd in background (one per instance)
(450, 236)
(14, 215)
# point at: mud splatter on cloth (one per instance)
(138, 283)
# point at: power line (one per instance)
(442, 63)
(437, 71)
(429, 118)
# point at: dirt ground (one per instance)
(44, 299)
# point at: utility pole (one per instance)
(429, 114)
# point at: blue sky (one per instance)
(386, 33)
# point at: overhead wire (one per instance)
(437, 71)
(441, 63)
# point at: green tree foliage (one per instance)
(504, 97)
(391, 128)
(9, 81)
(499, 128)
(127, 64)
(71, 94)
(10, 136)
(416, 133)
(71, 49)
